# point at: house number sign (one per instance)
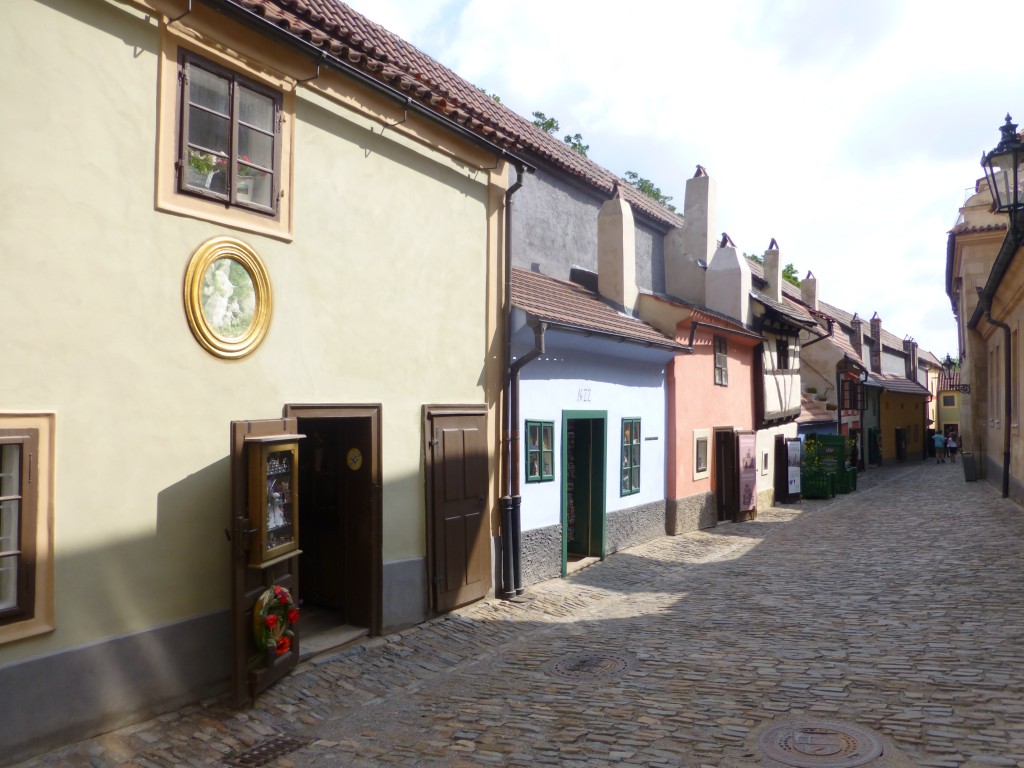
(583, 395)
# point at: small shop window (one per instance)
(721, 361)
(230, 137)
(630, 456)
(540, 451)
(18, 506)
(948, 401)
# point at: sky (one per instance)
(851, 132)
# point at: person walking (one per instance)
(954, 443)
(939, 441)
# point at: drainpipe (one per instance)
(863, 426)
(515, 520)
(506, 501)
(1007, 394)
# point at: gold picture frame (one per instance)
(227, 297)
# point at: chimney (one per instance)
(857, 326)
(809, 291)
(689, 249)
(616, 253)
(729, 282)
(876, 346)
(773, 271)
(910, 349)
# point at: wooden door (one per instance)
(456, 472)
(252, 671)
(727, 477)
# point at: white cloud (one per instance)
(846, 131)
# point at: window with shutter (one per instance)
(721, 361)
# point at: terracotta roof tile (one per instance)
(568, 304)
(964, 228)
(894, 383)
(343, 32)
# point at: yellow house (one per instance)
(983, 280)
(252, 301)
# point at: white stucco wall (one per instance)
(569, 380)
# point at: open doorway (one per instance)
(726, 475)
(583, 489)
(340, 536)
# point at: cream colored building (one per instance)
(973, 247)
(340, 279)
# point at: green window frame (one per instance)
(630, 457)
(540, 451)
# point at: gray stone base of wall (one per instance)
(629, 527)
(405, 593)
(692, 513)
(766, 499)
(63, 697)
(541, 554)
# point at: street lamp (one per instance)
(1004, 169)
(947, 365)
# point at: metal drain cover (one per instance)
(820, 744)
(264, 752)
(590, 665)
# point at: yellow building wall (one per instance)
(380, 296)
(908, 412)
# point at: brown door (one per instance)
(253, 671)
(727, 475)
(456, 470)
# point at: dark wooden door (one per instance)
(585, 487)
(727, 476)
(252, 671)
(457, 515)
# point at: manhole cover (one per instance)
(264, 752)
(820, 744)
(590, 666)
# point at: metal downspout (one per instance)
(515, 445)
(1007, 394)
(506, 501)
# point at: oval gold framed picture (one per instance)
(227, 297)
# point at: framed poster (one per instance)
(747, 442)
(793, 451)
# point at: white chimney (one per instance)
(616, 253)
(773, 271)
(729, 282)
(689, 250)
(809, 291)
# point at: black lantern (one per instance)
(947, 365)
(1003, 168)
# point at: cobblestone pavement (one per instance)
(897, 608)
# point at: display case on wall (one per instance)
(273, 499)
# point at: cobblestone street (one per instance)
(896, 609)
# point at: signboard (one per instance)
(793, 448)
(748, 471)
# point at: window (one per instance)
(26, 525)
(782, 354)
(230, 137)
(721, 361)
(701, 443)
(17, 523)
(948, 401)
(851, 395)
(540, 451)
(630, 456)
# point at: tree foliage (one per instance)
(647, 187)
(550, 126)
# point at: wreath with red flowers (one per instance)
(273, 617)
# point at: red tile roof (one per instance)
(345, 34)
(573, 306)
